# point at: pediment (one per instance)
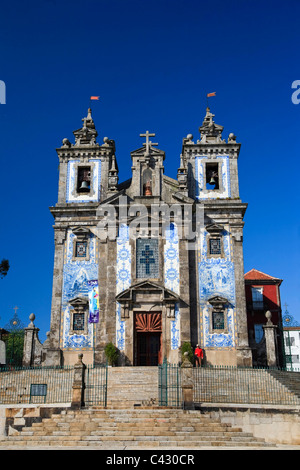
(218, 300)
(80, 231)
(214, 228)
(141, 152)
(79, 302)
(147, 287)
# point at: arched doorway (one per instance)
(148, 332)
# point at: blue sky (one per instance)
(152, 63)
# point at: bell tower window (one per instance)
(212, 176)
(84, 179)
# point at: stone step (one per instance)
(106, 429)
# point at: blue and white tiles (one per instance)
(75, 276)
(216, 278)
(123, 280)
(171, 277)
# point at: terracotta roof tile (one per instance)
(256, 275)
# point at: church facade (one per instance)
(151, 262)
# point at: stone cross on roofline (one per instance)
(148, 142)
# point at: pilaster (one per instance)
(244, 354)
(55, 327)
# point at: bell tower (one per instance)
(85, 167)
(212, 181)
(88, 174)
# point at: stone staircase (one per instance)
(133, 420)
(129, 386)
(291, 380)
(143, 428)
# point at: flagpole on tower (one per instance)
(93, 98)
(208, 96)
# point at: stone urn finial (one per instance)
(268, 316)
(31, 318)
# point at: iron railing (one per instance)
(244, 385)
(220, 384)
(96, 385)
(36, 384)
(169, 385)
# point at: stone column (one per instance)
(244, 353)
(32, 347)
(271, 346)
(187, 383)
(53, 356)
(78, 384)
(62, 182)
(2, 349)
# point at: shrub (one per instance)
(111, 353)
(186, 347)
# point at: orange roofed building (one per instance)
(262, 295)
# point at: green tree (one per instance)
(14, 347)
(4, 267)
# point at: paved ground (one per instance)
(182, 450)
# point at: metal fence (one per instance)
(243, 385)
(230, 385)
(36, 385)
(96, 385)
(169, 385)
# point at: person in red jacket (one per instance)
(198, 355)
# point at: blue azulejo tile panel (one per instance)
(201, 191)
(175, 329)
(171, 277)
(94, 194)
(75, 341)
(216, 278)
(76, 274)
(123, 279)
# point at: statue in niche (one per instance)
(147, 189)
(147, 180)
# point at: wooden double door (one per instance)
(148, 336)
